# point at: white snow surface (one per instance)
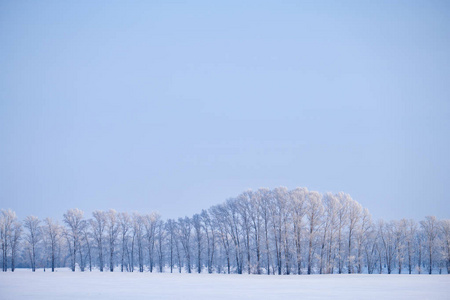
(23, 284)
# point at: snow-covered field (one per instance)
(23, 284)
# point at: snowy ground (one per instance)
(23, 284)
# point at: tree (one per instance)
(313, 215)
(430, 227)
(185, 226)
(411, 232)
(14, 241)
(7, 219)
(363, 234)
(170, 228)
(445, 229)
(219, 220)
(400, 236)
(277, 231)
(73, 218)
(87, 239)
(138, 234)
(354, 214)
(341, 223)
(245, 217)
(210, 235)
(150, 223)
(124, 225)
(161, 236)
(328, 231)
(298, 207)
(98, 224)
(53, 231)
(387, 238)
(112, 229)
(263, 196)
(32, 238)
(196, 222)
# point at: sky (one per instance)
(175, 106)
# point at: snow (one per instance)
(23, 284)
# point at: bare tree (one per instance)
(279, 215)
(138, 232)
(254, 211)
(170, 228)
(83, 245)
(243, 205)
(185, 226)
(124, 225)
(73, 218)
(7, 219)
(420, 237)
(445, 229)
(98, 224)
(354, 214)
(161, 236)
(313, 215)
(400, 237)
(53, 231)
(196, 222)
(32, 238)
(233, 222)
(341, 223)
(264, 196)
(14, 241)
(387, 238)
(177, 234)
(298, 207)
(210, 235)
(411, 231)
(150, 222)
(87, 237)
(430, 227)
(363, 232)
(219, 220)
(328, 230)
(112, 229)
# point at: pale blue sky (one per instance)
(177, 106)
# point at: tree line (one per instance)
(277, 231)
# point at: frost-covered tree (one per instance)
(354, 215)
(210, 235)
(32, 238)
(14, 241)
(313, 215)
(445, 230)
(362, 235)
(341, 220)
(98, 225)
(138, 236)
(430, 227)
(7, 220)
(150, 224)
(277, 231)
(298, 207)
(185, 232)
(124, 229)
(198, 236)
(73, 218)
(112, 229)
(52, 231)
(170, 229)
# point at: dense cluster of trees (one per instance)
(259, 232)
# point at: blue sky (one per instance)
(176, 106)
